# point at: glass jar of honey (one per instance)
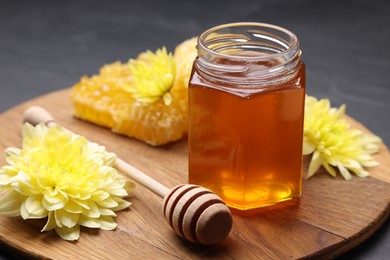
(246, 111)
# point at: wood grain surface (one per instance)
(331, 217)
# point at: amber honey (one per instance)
(245, 139)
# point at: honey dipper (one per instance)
(194, 212)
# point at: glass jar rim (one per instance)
(290, 48)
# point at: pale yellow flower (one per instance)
(63, 177)
(334, 143)
(153, 76)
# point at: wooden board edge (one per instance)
(366, 233)
(348, 244)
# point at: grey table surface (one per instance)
(48, 45)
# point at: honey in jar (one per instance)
(246, 111)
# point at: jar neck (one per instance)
(248, 55)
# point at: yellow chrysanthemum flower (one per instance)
(63, 177)
(153, 76)
(333, 143)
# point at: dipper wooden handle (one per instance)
(194, 212)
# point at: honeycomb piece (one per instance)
(105, 100)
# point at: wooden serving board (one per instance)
(332, 216)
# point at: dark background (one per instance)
(49, 45)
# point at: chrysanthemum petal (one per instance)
(69, 234)
(21, 183)
(119, 183)
(12, 151)
(344, 172)
(52, 203)
(100, 195)
(28, 132)
(329, 168)
(371, 143)
(89, 222)
(34, 206)
(108, 203)
(4, 179)
(109, 159)
(350, 163)
(308, 147)
(57, 218)
(9, 170)
(93, 211)
(362, 173)
(369, 163)
(315, 164)
(73, 207)
(341, 111)
(67, 219)
(123, 204)
(107, 223)
(83, 204)
(23, 211)
(371, 148)
(10, 203)
(51, 222)
(119, 192)
(107, 212)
